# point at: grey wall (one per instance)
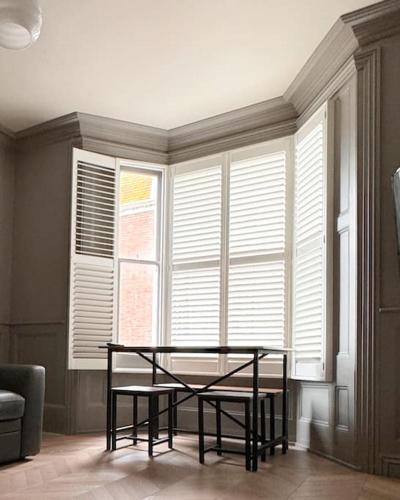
(40, 269)
(326, 411)
(387, 337)
(6, 227)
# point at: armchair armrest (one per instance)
(29, 382)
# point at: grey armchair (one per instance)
(21, 410)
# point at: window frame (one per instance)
(127, 363)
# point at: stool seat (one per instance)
(143, 390)
(230, 395)
(181, 387)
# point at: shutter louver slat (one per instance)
(92, 272)
(197, 200)
(195, 307)
(89, 329)
(309, 280)
(256, 304)
(94, 191)
(265, 196)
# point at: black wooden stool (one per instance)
(152, 394)
(216, 398)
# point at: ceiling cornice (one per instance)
(7, 132)
(234, 122)
(7, 140)
(59, 129)
(350, 33)
(122, 132)
(256, 123)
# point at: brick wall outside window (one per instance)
(138, 289)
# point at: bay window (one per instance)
(235, 252)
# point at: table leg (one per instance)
(200, 416)
(170, 420)
(247, 424)
(218, 427)
(154, 369)
(255, 413)
(175, 409)
(109, 385)
(151, 400)
(284, 407)
(114, 422)
(135, 418)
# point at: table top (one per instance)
(197, 349)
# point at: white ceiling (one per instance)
(163, 63)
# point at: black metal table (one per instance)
(257, 353)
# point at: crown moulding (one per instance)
(349, 34)
(7, 140)
(256, 123)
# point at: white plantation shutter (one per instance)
(256, 304)
(196, 249)
(257, 206)
(195, 307)
(257, 255)
(197, 216)
(92, 268)
(312, 242)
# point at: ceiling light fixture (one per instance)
(20, 23)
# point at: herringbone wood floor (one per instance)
(78, 467)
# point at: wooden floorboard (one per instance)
(78, 467)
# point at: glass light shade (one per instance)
(20, 23)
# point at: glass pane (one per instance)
(138, 215)
(138, 284)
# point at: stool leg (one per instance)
(247, 434)
(175, 414)
(272, 423)
(285, 444)
(156, 418)
(218, 416)
(170, 420)
(114, 421)
(151, 425)
(201, 430)
(135, 418)
(263, 438)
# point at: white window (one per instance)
(230, 251)
(257, 248)
(116, 259)
(139, 256)
(312, 262)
